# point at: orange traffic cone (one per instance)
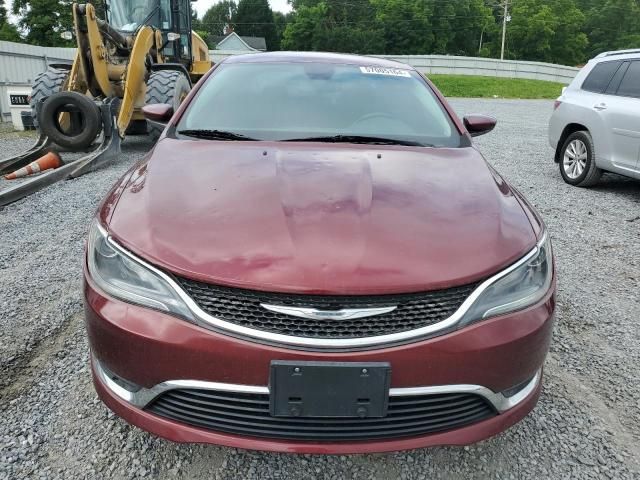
(45, 162)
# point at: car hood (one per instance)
(319, 218)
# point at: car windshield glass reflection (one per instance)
(321, 101)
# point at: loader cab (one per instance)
(172, 17)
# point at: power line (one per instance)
(366, 4)
(369, 22)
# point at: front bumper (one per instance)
(156, 352)
(180, 432)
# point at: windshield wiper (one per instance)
(358, 139)
(216, 135)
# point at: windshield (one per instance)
(290, 101)
(128, 15)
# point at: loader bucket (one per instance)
(38, 149)
(108, 149)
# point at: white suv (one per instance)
(596, 122)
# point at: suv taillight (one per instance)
(556, 104)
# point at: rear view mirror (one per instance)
(158, 112)
(478, 125)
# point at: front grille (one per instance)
(242, 307)
(248, 414)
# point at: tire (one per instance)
(85, 125)
(46, 83)
(166, 86)
(138, 127)
(578, 160)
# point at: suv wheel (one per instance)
(578, 160)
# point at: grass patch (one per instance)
(492, 87)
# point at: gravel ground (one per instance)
(587, 424)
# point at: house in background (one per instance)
(234, 42)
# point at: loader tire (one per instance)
(166, 86)
(137, 127)
(46, 83)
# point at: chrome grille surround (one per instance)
(335, 344)
(266, 311)
(144, 396)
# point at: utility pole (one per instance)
(505, 19)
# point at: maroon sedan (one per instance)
(315, 258)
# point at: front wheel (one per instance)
(578, 161)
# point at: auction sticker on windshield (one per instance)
(393, 72)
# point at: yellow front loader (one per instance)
(142, 52)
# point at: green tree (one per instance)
(406, 25)
(557, 31)
(300, 31)
(614, 26)
(196, 23)
(254, 18)
(390, 26)
(217, 17)
(198, 27)
(472, 21)
(547, 31)
(570, 40)
(44, 21)
(443, 19)
(280, 20)
(335, 26)
(8, 32)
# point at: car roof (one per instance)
(619, 55)
(316, 57)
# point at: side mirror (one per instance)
(158, 112)
(478, 125)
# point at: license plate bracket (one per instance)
(329, 389)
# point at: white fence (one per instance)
(486, 67)
(19, 64)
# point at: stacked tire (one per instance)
(164, 86)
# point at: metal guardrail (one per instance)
(487, 67)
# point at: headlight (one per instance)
(519, 286)
(129, 279)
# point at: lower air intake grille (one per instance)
(248, 414)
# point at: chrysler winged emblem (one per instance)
(316, 314)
